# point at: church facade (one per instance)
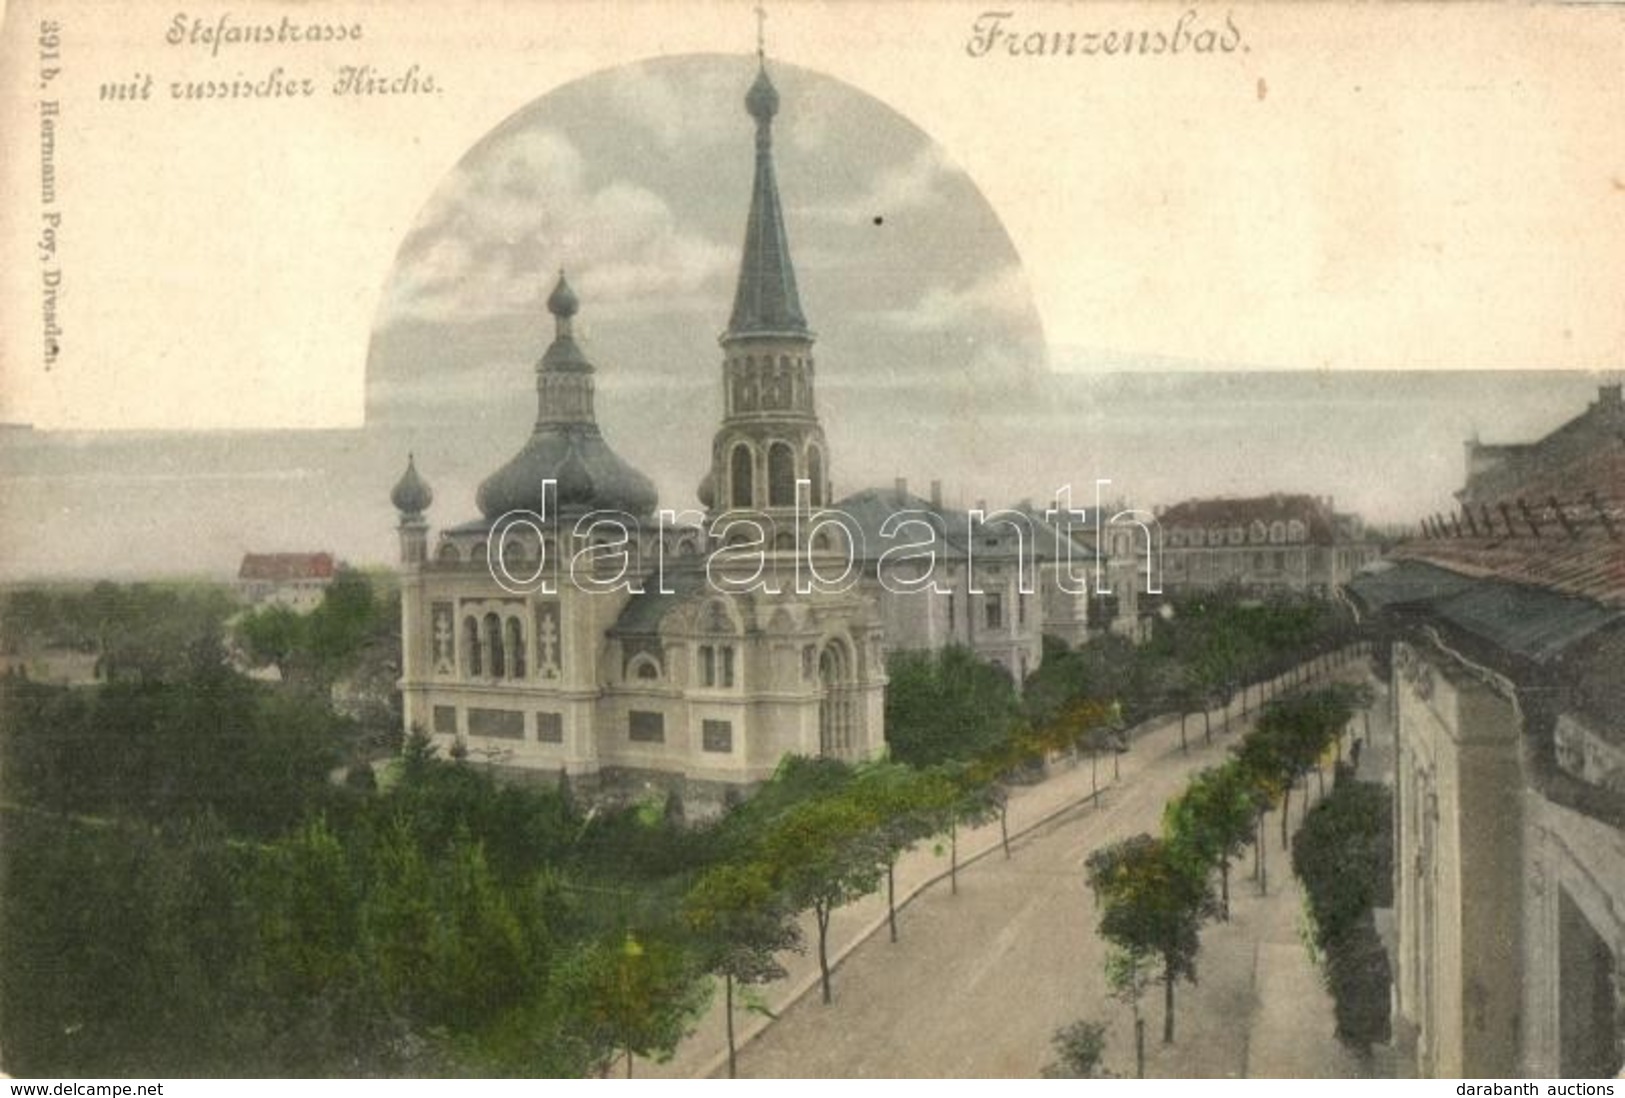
(669, 658)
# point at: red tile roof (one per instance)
(285, 567)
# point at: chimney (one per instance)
(936, 494)
(1610, 396)
(981, 505)
(901, 485)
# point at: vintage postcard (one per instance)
(810, 539)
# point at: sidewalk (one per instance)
(1067, 787)
(1260, 1008)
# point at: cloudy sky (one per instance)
(933, 359)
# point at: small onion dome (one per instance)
(708, 490)
(762, 101)
(588, 473)
(562, 302)
(411, 494)
(564, 355)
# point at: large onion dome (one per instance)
(566, 447)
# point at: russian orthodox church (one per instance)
(683, 659)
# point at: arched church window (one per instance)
(516, 649)
(836, 709)
(471, 647)
(784, 542)
(493, 646)
(781, 475)
(740, 476)
(448, 553)
(815, 473)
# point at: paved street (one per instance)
(980, 980)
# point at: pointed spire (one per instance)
(766, 299)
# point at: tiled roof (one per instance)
(1315, 515)
(869, 509)
(283, 567)
(1580, 549)
(645, 610)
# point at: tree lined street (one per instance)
(979, 981)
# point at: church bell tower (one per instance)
(770, 436)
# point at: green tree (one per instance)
(956, 795)
(741, 923)
(1343, 855)
(906, 806)
(312, 651)
(273, 636)
(641, 994)
(1211, 821)
(1078, 1050)
(946, 705)
(1083, 725)
(1184, 693)
(1128, 978)
(823, 854)
(1153, 907)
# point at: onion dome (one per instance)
(566, 446)
(589, 475)
(574, 482)
(762, 101)
(411, 494)
(564, 355)
(562, 302)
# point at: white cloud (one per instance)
(1003, 293)
(494, 232)
(678, 113)
(914, 184)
